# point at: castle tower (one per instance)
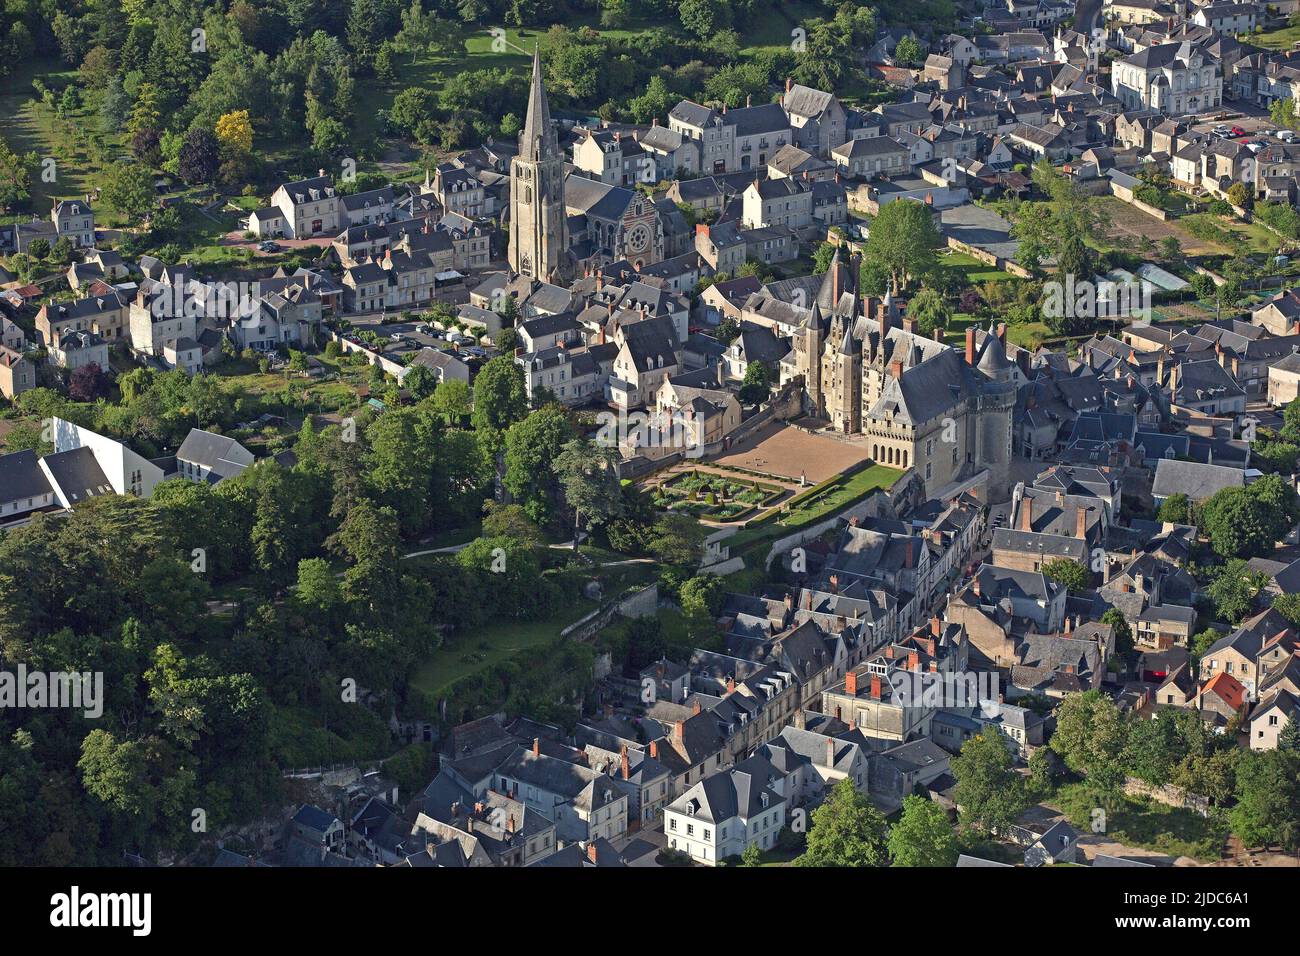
(808, 346)
(539, 236)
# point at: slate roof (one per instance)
(21, 477)
(1196, 480)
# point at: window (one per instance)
(672, 823)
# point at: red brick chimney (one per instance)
(1026, 514)
(936, 627)
(695, 710)
(975, 586)
(908, 558)
(591, 851)
(537, 746)
(970, 345)
(875, 687)
(851, 683)
(623, 765)
(896, 368)
(1081, 522)
(932, 646)
(679, 728)
(731, 685)
(913, 660)
(835, 584)
(654, 749)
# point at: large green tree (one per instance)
(847, 830)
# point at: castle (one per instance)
(918, 402)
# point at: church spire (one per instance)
(538, 138)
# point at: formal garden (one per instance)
(715, 497)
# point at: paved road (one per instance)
(1087, 15)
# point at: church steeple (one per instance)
(539, 235)
(538, 140)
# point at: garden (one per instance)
(715, 497)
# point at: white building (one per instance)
(726, 813)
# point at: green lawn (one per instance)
(974, 271)
(490, 646)
(813, 505)
(1283, 39)
(76, 143)
(1144, 823)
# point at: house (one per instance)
(1228, 18)
(583, 804)
(1284, 381)
(1057, 844)
(777, 204)
(1222, 699)
(17, 373)
(105, 315)
(1269, 719)
(24, 487)
(76, 348)
(732, 140)
(1196, 480)
(309, 207)
(727, 812)
(322, 833)
(1174, 78)
(813, 763)
(1242, 655)
(872, 158)
(86, 464)
(817, 120)
(74, 220)
(211, 458)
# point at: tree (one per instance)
(452, 399)
(1283, 113)
(588, 475)
(1234, 589)
(1072, 574)
(509, 521)
(989, 791)
(532, 445)
(903, 241)
(1288, 605)
(420, 381)
(1171, 250)
(1123, 633)
(15, 176)
(847, 830)
(1268, 799)
(678, 540)
(200, 156)
(757, 384)
(908, 52)
(929, 310)
(1176, 509)
(752, 856)
(922, 836)
(318, 586)
(129, 188)
(88, 383)
(1090, 736)
(234, 132)
(704, 18)
(500, 400)
(1246, 522)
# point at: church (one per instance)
(917, 402)
(562, 226)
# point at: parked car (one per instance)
(1237, 131)
(1220, 131)
(268, 246)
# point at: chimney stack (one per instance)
(913, 660)
(908, 557)
(623, 763)
(875, 687)
(679, 728)
(537, 746)
(696, 708)
(654, 750)
(970, 345)
(835, 584)
(830, 751)
(896, 368)
(591, 851)
(1026, 514)
(936, 627)
(851, 683)
(1081, 523)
